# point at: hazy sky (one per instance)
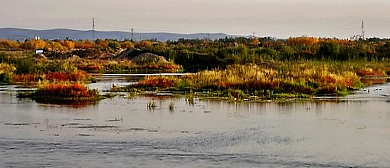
(279, 18)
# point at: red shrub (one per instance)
(70, 90)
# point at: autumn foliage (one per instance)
(68, 44)
(127, 44)
(84, 44)
(34, 44)
(8, 44)
(302, 41)
(143, 44)
(52, 76)
(286, 78)
(66, 90)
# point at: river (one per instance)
(123, 132)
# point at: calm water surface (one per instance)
(123, 132)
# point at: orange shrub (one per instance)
(298, 41)
(66, 90)
(68, 44)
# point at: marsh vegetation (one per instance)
(233, 67)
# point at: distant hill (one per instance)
(22, 34)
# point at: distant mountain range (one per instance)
(22, 34)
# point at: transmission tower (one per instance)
(132, 34)
(363, 29)
(93, 28)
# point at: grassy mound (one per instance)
(66, 92)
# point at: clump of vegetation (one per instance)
(157, 82)
(6, 71)
(77, 76)
(67, 90)
(63, 91)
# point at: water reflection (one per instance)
(68, 104)
(346, 132)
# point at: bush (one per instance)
(5, 78)
(114, 45)
(24, 66)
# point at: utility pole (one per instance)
(93, 29)
(363, 29)
(132, 34)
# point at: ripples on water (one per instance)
(121, 132)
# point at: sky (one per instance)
(276, 18)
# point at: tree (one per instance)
(102, 43)
(255, 41)
(114, 44)
(34, 44)
(84, 44)
(329, 50)
(143, 44)
(55, 46)
(68, 44)
(37, 44)
(127, 44)
(302, 41)
(8, 44)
